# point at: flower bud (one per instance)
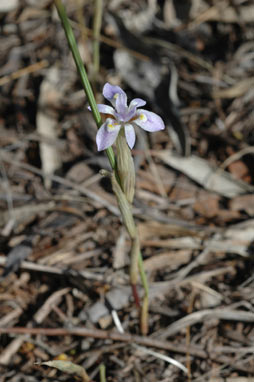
(125, 167)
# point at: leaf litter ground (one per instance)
(63, 251)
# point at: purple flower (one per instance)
(123, 116)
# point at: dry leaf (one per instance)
(244, 202)
(168, 260)
(47, 126)
(68, 367)
(203, 173)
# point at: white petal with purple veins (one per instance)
(109, 92)
(149, 121)
(121, 105)
(107, 134)
(105, 109)
(130, 134)
(137, 102)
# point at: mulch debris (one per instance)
(64, 255)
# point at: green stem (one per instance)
(82, 72)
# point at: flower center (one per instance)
(111, 126)
(142, 117)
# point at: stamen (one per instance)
(116, 95)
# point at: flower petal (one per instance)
(130, 134)
(137, 102)
(149, 121)
(131, 114)
(107, 134)
(104, 109)
(110, 91)
(121, 106)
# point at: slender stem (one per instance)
(145, 304)
(143, 274)
(82, 72)
(135, 295)
(102, 373)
